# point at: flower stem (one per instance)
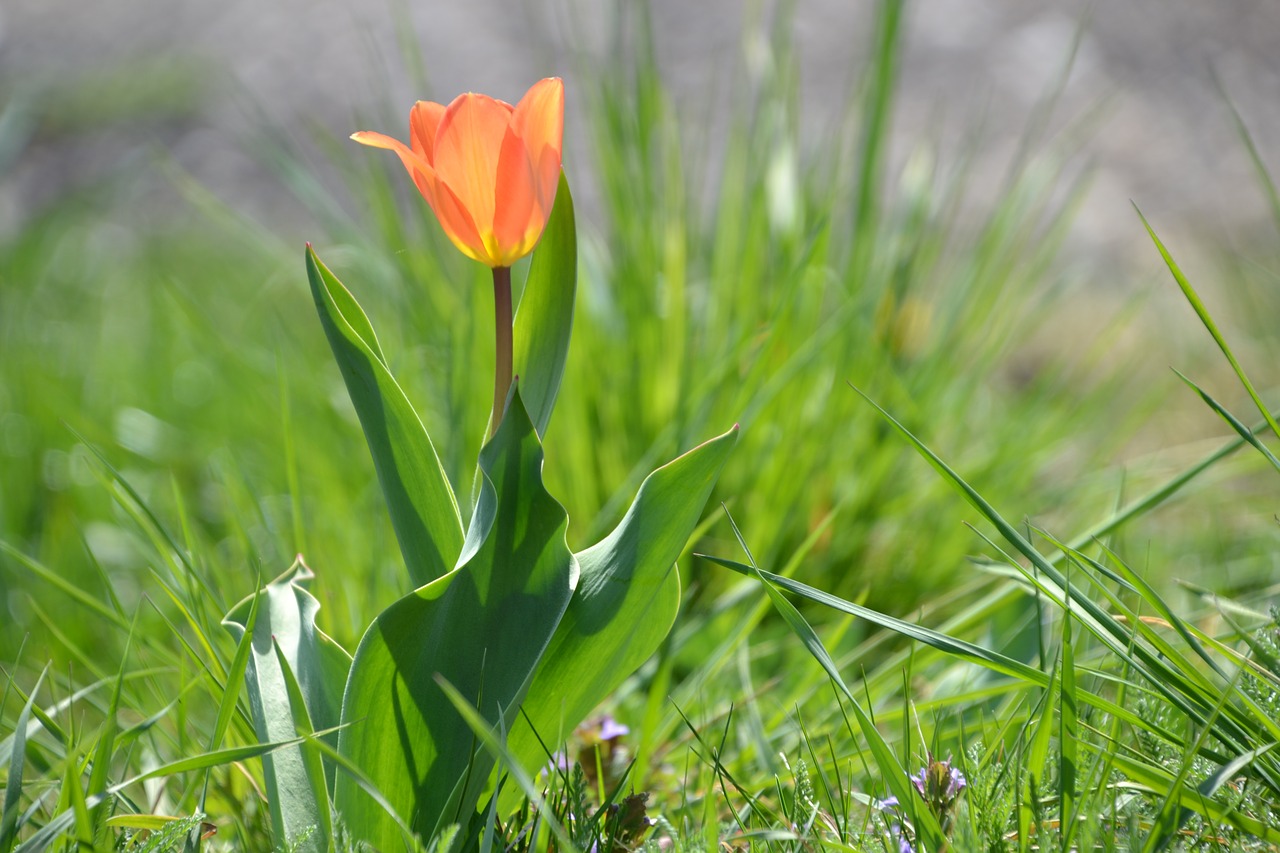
(502, 340)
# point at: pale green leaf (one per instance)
(286, 617)
(423, 508)
(540, 341)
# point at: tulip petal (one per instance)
(454, 218)
(420, 170)
(539, 121)
(468, 146)
(424, 120)
(517, 212)
(460, 226)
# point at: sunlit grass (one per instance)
(173, 432)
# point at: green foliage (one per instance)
(741, 279)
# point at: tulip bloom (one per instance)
(488, 170)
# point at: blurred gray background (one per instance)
(86, 83)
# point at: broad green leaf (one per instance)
(545, 318)
(286, 616)
(482, 627)
(625, 602)
(424, 510)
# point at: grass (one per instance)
(173, 432)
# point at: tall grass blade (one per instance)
(13, 780)
(1203, 313)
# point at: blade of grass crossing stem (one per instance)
(942, 642)
(947, 644)
(896, 778)
(494, 744)
(13, 781)
(1100, 623)
(1243, 431)
(1203, 313)
(231, 691)
(1162, 492)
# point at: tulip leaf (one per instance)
(625, 602)
(424, 510)
(545, 319)
(284, 629)
(481, 628)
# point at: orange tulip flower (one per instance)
(489, 170)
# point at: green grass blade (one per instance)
(1203, 313)
(494, 741)
(13, 780)
(1243, 431)
(1068, 735)
(105, 749)
(899, 783)
(942, 642)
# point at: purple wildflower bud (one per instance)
(611, 728)
(904, 846)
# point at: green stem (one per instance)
(502, 340)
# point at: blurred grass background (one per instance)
(739, 263)
(743, 272)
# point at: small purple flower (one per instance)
(896, 834)
(611, 728)
(939, 783)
